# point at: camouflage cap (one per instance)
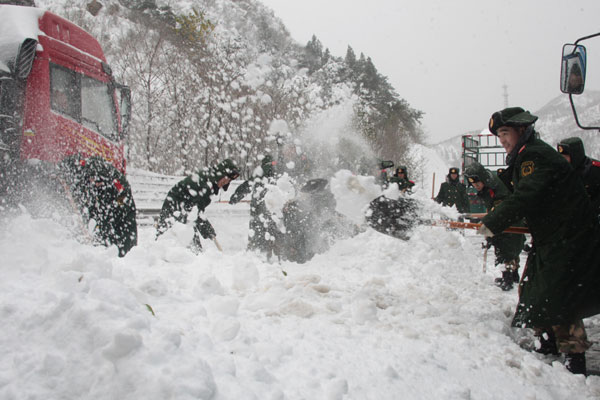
(512, 116)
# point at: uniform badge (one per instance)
(527, 168)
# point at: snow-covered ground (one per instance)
(373, 318)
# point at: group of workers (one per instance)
(399, 177)
(555, 194)
(309, 221)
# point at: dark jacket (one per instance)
(262, 228)
(587, 168)
(507, 246)
(404, 184)
(104, 196)
(561, 280)
(194, 190)
(451, 193)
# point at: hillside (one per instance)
(221, 78)
(556, 120)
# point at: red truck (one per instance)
(58, 101)
(58, 94)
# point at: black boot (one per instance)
(547, 343)
(575, 363)
(506, 282)
(515, 276)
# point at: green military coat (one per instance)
(194, 190)
(103, 195)
(404, 184)
(562, 276)
(451, 193)
(507, 246)
(587, 168)
(263, 230)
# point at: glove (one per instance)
(487, 244)
(206, 229)
(485, 231)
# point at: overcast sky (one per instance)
(451, 59)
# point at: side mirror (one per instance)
(573, 67)
(124, 95)
(24, 60)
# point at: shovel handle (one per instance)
(214, 238)
(485, 251)
(474, 215)
(474, 225)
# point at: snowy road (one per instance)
(373, 318)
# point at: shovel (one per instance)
(474, 225)
(214, 238)
(397, 217)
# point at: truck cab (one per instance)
(57, 93)
(63, 125)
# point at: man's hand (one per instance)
(484, 230)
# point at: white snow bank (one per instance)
(375, 317)
(16, 25)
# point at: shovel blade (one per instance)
(393, 217)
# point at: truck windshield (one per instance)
(64, 92)
(97, 107)
(83, 99)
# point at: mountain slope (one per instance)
(556, 122)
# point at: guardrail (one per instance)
(150, 189)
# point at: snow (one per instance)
(258, 72)
(434, 171)
(373, 318)
(16, 25)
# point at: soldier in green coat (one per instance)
(195, 191)
(588, 169)
(507, 246)
(561, 279)
(453, 193)
(400, 178)
(263, 232)
(104, 198)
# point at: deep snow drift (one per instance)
(373, 318)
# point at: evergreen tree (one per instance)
(201, 94)
(313, 55)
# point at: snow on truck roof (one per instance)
(16, 24)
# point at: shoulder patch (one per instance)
(527, 168)
(596, 163)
